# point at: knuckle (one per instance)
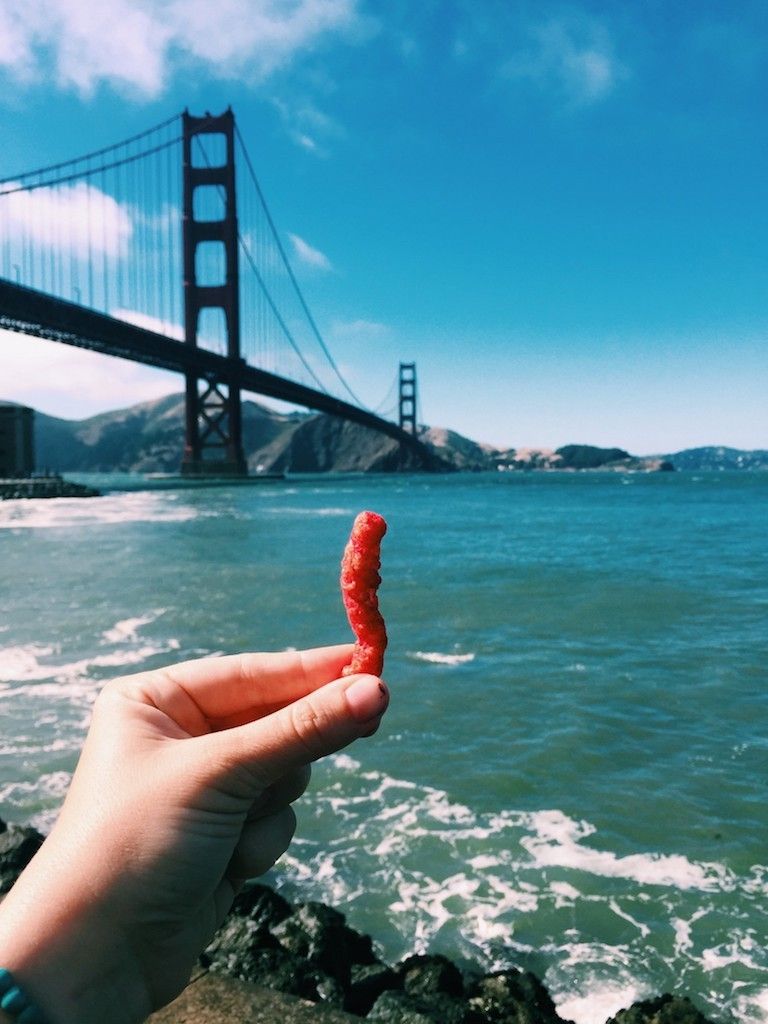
(308, 724)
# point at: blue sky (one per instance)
(559, 210)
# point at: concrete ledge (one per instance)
(216, 999)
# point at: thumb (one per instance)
(318, 724)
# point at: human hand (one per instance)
(182, 791)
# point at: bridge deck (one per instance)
(33, 312)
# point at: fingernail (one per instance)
(367, 697)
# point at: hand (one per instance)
(183, 790)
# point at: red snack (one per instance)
(359, 581)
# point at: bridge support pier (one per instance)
(213, 444)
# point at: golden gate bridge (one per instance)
(161, 249)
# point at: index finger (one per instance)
(235, 688)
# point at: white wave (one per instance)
(599, 1004)
(565, 894)
(53, 513)
(295, 510)
(752, 1008)
(683, 931)
(556, 843)
(127, 629)
(346, 763)
(52, 784)
(71, 680)
(426, 873)
(54, 747)
(440, 658)
(620, 912)
(22, 662)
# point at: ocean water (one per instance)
(573, 774)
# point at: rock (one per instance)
(402, 1008)
(215, 999)
(513, 997)
(431, 975)
(367, 983)
(247, 950)
(397, 1008)
(18, 845)
(262, 905)
(309, 951)
(666, 1009)
(320, 935)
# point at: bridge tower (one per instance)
(213, 443)
(407, 398)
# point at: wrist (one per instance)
(65, 952)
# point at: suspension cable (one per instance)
(270, 301)
(92, 155)
(89, 172)
(292, 276)
(383, 404)
(279, 318)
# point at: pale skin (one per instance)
(183, 790)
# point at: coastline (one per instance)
(326, 971)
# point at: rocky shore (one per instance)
(308, 952)
(50, 486)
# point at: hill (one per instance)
(149, 438)
(719, 459)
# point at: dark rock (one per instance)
(18, 845)
(262, 904)
(402, 1008)
(513, 997)
(431, 975)
(244, 949)
(309, 951)
(320, 935)
(397, 1008)
(664, 1009)
(367, 983)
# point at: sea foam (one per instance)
(444, 877)
(61, 513)
(440, 658)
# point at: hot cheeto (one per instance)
(359, 582)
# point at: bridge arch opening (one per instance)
(208, 204)
(210, 264)
(212, 329)
(210, 151)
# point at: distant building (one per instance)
(17, 449)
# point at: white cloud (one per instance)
(149, 323)
(309, 127)
(359, 329)
(207, 338)
(73, 383)
(306, 254)
(306, 142)
(77, 218)
(573, 53)
(138, 43)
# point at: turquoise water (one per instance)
(573, 773)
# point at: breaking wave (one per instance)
(439, 658)
(422, 872)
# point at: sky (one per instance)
(559, 211)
